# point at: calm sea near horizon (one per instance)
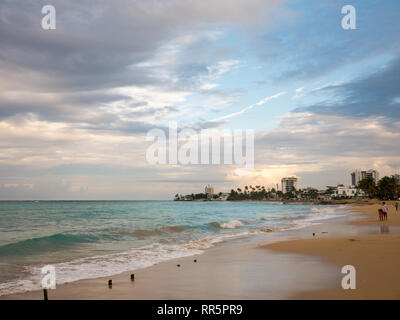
(90, 239)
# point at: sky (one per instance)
(77, 102)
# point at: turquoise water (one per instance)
(88, 239)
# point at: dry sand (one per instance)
(375, 257)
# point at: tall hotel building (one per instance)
(358, 175)
(288, 184)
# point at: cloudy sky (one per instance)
(77, 102)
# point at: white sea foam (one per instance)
(319, 214)
(107, 265)
(232, 224)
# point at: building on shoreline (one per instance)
(289, 184)
(342, 191)
(359, 175)
(209, 191)
(290, 192)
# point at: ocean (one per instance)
(90, 239)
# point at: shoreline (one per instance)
(263, 267)
(300, 202)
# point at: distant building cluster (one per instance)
(359, 175)
(342, 191)
(289, 190)
(208, 195)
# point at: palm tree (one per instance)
(387, 188)
(368, 186)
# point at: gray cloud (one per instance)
(68, 74)
(99, 44)
(376, 94)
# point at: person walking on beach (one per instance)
(384, 210)
(397, 207)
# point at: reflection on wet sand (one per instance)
(384, 228)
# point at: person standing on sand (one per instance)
(384, 210)
(397, 207)
(380, 212)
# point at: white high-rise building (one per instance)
(359, 175)
(288, 184)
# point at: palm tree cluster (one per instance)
(261, 193)
(253, 193)
(386, 188)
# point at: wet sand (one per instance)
(240, 271)
(301, 267)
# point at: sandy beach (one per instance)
(291, 265)
(375, 257)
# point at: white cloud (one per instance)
(261, 102)
(330, 84)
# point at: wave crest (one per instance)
(45, 244)
(143, 233)
(232, 224)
